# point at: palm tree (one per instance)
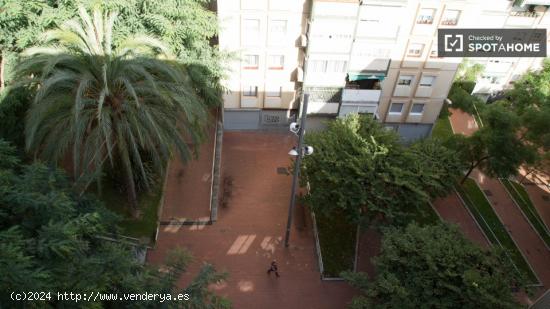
(103, 102)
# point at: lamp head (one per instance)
(294, 127)
(293, 152)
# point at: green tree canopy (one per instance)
(53, 240)
(496, 148)
(530, 99)
(188, 28)
(361, 170)
(435, 267)
(100, 101)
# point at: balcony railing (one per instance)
(524, 14)
(450, 22)
(326, 95)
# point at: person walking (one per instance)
(273, 268)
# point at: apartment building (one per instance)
(500, 73)
(265, 37)
(377, 57)
(386, 56)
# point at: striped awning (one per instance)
(363, 76)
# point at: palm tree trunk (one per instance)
(2, 69)
(131, 191)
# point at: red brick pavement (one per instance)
(249, 233)
(462, 122)
(187, 185)
(539, 194)
(451, 209)
(527, 240)
(521, 231)
(541, 201)
(369, 247)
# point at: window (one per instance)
(492, 79)
(405, 80)
(425, 16)
(251, 25)
(372, 52)
(324, 66)
(415, 50)
(274, 92)
(337, 66)
(250, 91)
(427, 81)
(275, 62)
(450, 17)
(251, 33)
(277, 27)
(318, 66)
(417, 109)
(250, 62)
(396, 108)
(433, 52)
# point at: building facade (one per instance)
(377, 57)
(500, 73)
(264, 37)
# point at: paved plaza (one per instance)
(250, 230)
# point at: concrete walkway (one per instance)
(250, 230)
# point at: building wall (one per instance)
(500, 73)
(375, 36)
(253, 28)
(327, 39)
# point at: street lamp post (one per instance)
(300, 150)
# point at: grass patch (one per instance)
(487, 218)
(337, 242)
(425, 216)
(522, 199)
(146, 226)
(442, 129)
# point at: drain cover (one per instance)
(282, 171)
(488, 192)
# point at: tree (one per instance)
(434, 165)
(188, 27)
(360, 170)
(51, 239)
(435, 267)
(530, 100)
(98, 101)
(468, 71)
(496, 148)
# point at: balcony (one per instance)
(361, 95)
(362, 88)
(524, 3)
